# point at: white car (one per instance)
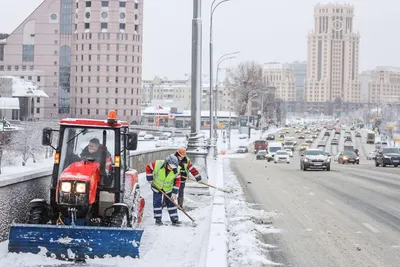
(290, 152)
(372, 155)
(282, 156)
(243, 136)
(148, 137)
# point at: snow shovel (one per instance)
(217, 188)
(173, 202)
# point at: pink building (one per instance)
(87, 56)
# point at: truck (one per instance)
(288, 144)
(272, 149)
(260, 145)
(370, 137)
(321, 145)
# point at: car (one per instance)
(358, 134)
(388, 156)
(242, 149)
(307, 132)
(290, 152)
(372, 155)
(309, 141)
(148, 137)
(243, 136)
(297, 131)
(272, 149)
(304, 146)
(327, 133)
(348, 157)
(270, 137)
(315, 159)
(261, 154)
(282, 136)
(314, 136)
(348, 138)
(302, 136)
(337, 131)
(334, 141)
(282, 156)
(287, 131)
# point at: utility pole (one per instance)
(196, 145)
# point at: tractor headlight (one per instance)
(66, 187)
(306, 160)
(80, 188)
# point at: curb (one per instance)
(217, 248)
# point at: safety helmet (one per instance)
(182, 151)
(172, 161)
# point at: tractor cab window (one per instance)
(82, 143)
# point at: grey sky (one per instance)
(263, 30)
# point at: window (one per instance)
(90, 46)
(104, 25)
(97, 90)
(98, 57)
(37, 110)
(2, 52)
(116, 101)
(38, 78)
(136, 5)
(97, 101)
(131, 101)
(90, 57)
(116, 79)
(98, 68)
(88, 3)
(117, 47)
(137, 29)
(116, 90)
(124, 90)
(55, 41)
(88, 100)
(104, 3)
(122, 26)
(107, 68)
(125, 101)
(107, 90)
(116, 68)
(126, 48)
(89, 68)
(98, 79)
(29, 78)
(97, 112)
(107, 80)
(117, 58)
(88, 111)
(87, 26)
(108, 46)
(16, 68)
(106, 101)
(55, 52)
(81, 111)
(122, 15)
(81, 101)
(28, 53)
(122, 4)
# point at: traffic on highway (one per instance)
(336, 189)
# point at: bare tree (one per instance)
(246, 78)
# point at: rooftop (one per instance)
(22, 88)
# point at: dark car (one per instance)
(348, 157)
(388, 156)
(242, 149)
(315, 159)
(302, 136)
(327, 133)
(358, 134)
(348, 138)
(271, 137)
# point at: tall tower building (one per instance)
(333, 52)
(85, 54)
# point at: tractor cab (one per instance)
(93, 192)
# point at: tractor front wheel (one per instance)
(39, 212)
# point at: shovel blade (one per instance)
(74, 242)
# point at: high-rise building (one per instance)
(280, 76)
(86, 55)
(333, 52)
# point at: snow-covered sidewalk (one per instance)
(170, 246)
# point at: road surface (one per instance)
(349, 216)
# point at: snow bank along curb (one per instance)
(25, 176)
(217, 244)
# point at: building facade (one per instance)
(281, 76)
(384, 85)
(333, 56)
(86, 55)
(300, 75)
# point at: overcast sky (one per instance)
(263, 30)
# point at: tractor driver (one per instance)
(93, 150)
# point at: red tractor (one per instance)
(95, 206)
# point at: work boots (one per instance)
(159, 222)
(176, 222)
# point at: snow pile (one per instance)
(245, 226)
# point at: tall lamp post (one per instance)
(220, 60)
(214, 6)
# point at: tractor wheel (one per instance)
(39, 212)
(119, 217)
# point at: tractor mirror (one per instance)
(131, 141)
(47, 136)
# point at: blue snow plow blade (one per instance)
(74, 242)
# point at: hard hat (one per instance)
(172, 161)
(182, 151)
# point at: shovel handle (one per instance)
(212, 186)
(173, 202)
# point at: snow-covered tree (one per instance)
(246, 79)
(27, 141)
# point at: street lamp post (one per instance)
(214, 6)
(220, 60)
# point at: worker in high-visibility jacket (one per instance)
(186, 167)
(164, 175)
